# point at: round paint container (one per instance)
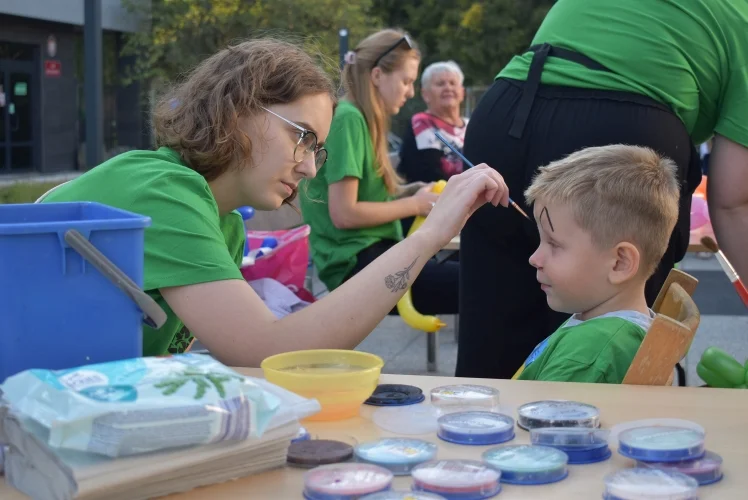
(557, 414)
(403, 495)
(457, 479)
(617, 429)
(409, 420)
(464, 397)
(475, 428)
(705, 470)
(661, 444)
(582, 445)
(303, 435)
(398, 455)
(315, 452)
(395, 395)
(649, 484)
(528, 464)
(345, 481)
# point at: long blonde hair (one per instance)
(360, 90)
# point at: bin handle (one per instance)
(153, 315)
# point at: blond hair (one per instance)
(616, 193)
(199, 117)
(360, 90)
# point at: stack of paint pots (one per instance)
(671, 462)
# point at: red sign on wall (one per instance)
(52, 68)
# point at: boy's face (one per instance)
(572, 271)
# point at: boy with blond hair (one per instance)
(605, 216)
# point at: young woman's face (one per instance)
(397, 87)
(273, 173)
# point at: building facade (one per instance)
(42, 113)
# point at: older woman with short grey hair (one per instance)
(422, 156)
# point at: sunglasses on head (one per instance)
(405, 40)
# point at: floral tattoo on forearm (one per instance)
(399, 280)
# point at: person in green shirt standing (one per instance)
(355, 205)
(663, 74)
(243, 129)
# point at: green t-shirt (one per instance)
(597, 350)
(691, 55)
(351, 154)
(187, 242)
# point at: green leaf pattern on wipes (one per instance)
(202, 381)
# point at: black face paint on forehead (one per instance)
(547, 216)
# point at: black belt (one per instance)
(533, 80)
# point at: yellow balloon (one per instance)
(405, 307)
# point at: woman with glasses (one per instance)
(244, 128)
(355, 205)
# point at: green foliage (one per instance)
(181, 33)
(24, 192)
(481, 36)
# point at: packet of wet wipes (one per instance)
(141, 405)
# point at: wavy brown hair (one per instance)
(360, 90)
(199, 117)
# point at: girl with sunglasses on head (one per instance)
(244, 128)
(356, 203)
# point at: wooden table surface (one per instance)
(722, 412)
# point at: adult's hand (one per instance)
(727, 194)
(464, 194)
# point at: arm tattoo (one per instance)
(399, 280)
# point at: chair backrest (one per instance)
(686, 281)
(670, 336)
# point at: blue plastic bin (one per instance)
(57, 310)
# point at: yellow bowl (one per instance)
(340, 380)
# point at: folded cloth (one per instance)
(277, 297)
(45, 473)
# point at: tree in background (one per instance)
(178, 34)
(480, 35)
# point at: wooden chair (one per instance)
(670, 336)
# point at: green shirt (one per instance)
(691, 55)
(351, 154)
(597, 350)
(187, 242)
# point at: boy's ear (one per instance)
(626, 264)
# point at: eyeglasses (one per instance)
(306, 144)
(404, 40)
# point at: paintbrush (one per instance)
(469, 164)
(727, 268)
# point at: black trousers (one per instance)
(435, 290)
(503, 311)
